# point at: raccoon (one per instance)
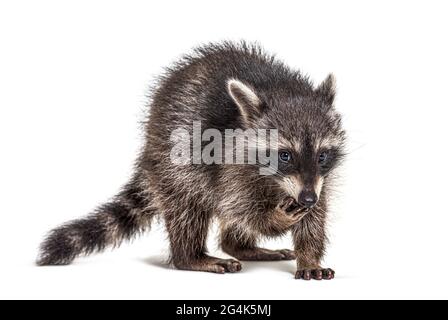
(225, 86)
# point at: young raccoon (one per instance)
(225, 86)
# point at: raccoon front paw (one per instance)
(288, 204)
(290, 207)
(316, 274)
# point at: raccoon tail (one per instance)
(127, 215)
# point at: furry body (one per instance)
(264, 93)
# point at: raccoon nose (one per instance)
(307, 198)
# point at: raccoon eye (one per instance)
(323, 157)
(284, 156)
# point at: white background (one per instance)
(73, 79)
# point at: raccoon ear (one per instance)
(327, 89)
(246, 99)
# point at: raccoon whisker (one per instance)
(357, 148)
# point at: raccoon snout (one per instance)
(307, 198)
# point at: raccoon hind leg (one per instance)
(243, 246)
(188, 228)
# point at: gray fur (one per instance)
(248, 206)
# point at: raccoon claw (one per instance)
(223, 266)
(288, 254)
(229, 265)
(288, 204)
(316, 274)
(328, 274)
(299, 215)
(210, 264)
(289, 213)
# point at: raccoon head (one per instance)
(310, 135)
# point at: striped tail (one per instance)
(127, 215)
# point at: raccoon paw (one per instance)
(261, 254)
(316, 274)
(288, 213)
(287, 254)
(288, 205)
(211, 264)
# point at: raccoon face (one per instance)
(304, 165)
(311, 138)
